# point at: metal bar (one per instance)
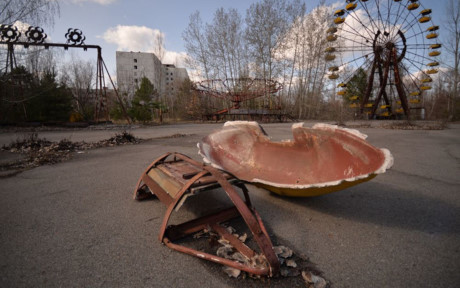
(175, 232)
(383, 84)
(46, 45)
(370, 83)
(399, 88)
(264, 242)
(217, 259)
(235, 242)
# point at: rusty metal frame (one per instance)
(204, 178)
(75, 39)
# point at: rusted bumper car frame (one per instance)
(173, 177)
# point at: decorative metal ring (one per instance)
(35, 34)
(9, 33)
(75, 37)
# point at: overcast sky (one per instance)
(131, 25)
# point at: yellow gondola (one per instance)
(332, 30)
(413, 6)
(368, 105)
(339, 12)
(354, 105)
(329, 49)
(432, 71)
(434, 53)
(425, 12)
(432, 28)
(415, 93)
(339, 20)
(342, 85)
(425, 88)
(333, 68)
(400, 110)
(331, 37)
(398, 102)
(424, 19)
(351, 6)
(427, 80)
(414, 101)
(329, 57)
(433, 64)
(353, 98)
(431, 36)
(435, 46)
(341, 93)
(385, 114)
(333, 76)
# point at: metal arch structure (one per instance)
(11, 36)
(392, 41)
(238, 90)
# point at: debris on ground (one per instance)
(231, 272)
(282, 251)
(177, 135)
(292, 265)
(313, 281)
(39, 151)
(406, 125)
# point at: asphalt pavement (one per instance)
(75, 224)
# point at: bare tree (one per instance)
(196, 46)
(225, 44)
(266, 24)
(452, 44)
(79, 76)
(160, 46)
(35, 12)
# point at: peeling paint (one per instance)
(324, 156)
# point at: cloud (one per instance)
(141, 39)
(176, 58)
(132, 38)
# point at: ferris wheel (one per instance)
(383, 54)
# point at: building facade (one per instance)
(133, 66)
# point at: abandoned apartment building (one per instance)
(133, 66)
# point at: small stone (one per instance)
(223, 242)
(289, 272)
(240, 257)
(231, 272)
(282, 251)
(291, 263)
(307, 277)
(230, 229)
(243, 237)
(317, 281)
(224, 252)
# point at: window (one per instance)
(135, 66)
(135, 80)
(135, 60)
